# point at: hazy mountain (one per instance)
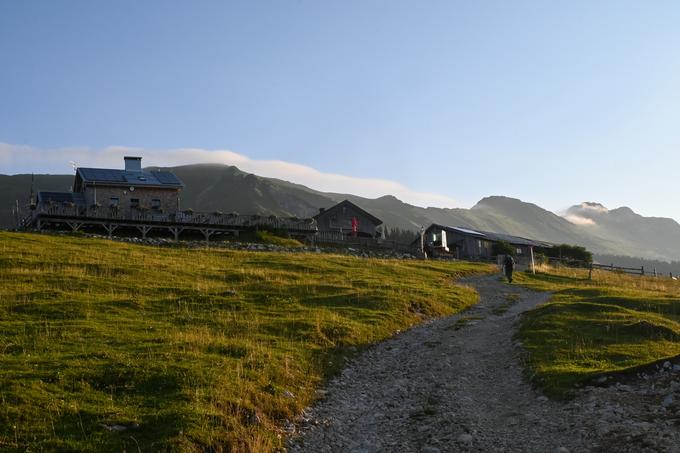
(228, 189)
(651, 237)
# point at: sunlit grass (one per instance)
(593, 327)
(187, 349)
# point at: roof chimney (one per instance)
(322, 210)
(133, 163)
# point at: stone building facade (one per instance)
(127, 192)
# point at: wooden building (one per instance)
(128, 192)
(346, 218)
(466, 243)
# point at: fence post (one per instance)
(654, 272)
(590, 272)
(642, 270)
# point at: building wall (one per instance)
(340, 219)
(460, 245)
(168, 198)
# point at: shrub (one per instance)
(503, 248)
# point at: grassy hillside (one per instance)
(591, 328)
(108, 346)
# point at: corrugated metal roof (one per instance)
(468, 231)
(515, 240)
(144, 178)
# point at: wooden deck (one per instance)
(208, 224)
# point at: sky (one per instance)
(439, 103)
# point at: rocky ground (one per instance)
(456, 384)
(384, 253)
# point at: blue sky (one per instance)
(553, 103)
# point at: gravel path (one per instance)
(456, 384)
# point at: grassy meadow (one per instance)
(106, 346)
(590, 328)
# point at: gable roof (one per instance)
(495, 237)
(152, 178)
(347, 203)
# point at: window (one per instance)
(519, 251)
(155, 203)
(113, 202)
(134, 202)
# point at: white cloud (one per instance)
(27, 159)
(578, 220)
(590, 206)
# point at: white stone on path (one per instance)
(465, 439)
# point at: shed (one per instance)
(466, 243)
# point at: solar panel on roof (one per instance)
(165, 177)
(102, 174)
(136, 178)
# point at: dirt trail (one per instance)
(456, 384)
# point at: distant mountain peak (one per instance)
(598, 207)
(496, 200)
(586, 213)
(623, 210)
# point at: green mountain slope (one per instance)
(17, 188)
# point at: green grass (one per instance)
(270, 238)
(189, 350)
(592, 328)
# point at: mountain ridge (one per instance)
(217, 187)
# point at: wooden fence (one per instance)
(335, 237)
(641, 271)
(626, 270)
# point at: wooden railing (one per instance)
(183, 217)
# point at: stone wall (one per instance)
(169, 198)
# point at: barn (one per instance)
(346, 218)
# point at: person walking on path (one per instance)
(509, 265)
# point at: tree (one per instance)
(503, 248)
(401, 236)
(573, 254)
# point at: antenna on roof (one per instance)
(30, 198)
(74, 165)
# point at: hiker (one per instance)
(509, 265)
